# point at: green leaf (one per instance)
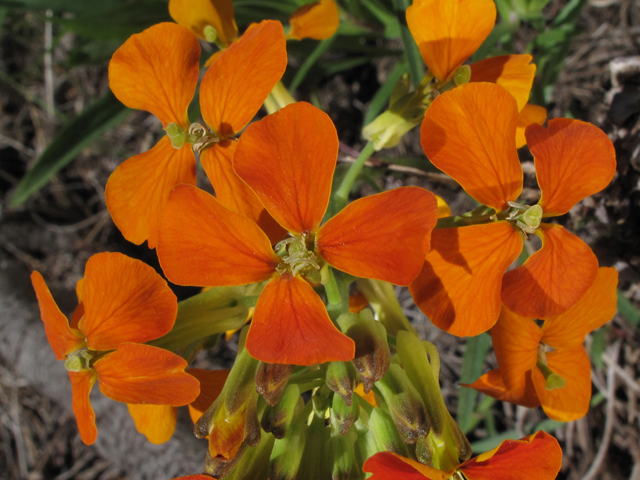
(381, 97)
(103, 114)
(411, 50)
(598, 346)
(322, 47)
(628, 310)
(472, 363)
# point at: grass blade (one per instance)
(472, 363)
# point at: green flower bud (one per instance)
(271, 378)
(342, 378)
(287, 452)
(343, 415)
(277, 419)
(341, 449)
(383, 436)
(254, 464)
(314, 465)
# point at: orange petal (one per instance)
(459, 285)
(447, 33)
(594, 309)
(78, 313)
(383, 236)
(536, 457)
(288, 159)
(492, 384)
(468, 133)
(125, 301)
(228, 433)
(157, 71)
(236, 84)
(137, 373)
(570, 402)
(156, 422)
(357, 303)
(197, 14)
(211, 383)
(233, 193)
(391, 466)
(81, 385)
(61, 337)
(528, 115)
(370, 397)
(513, 72)
(291, 326)
(138, 189)
(194, 477)
(203, 243)
(554, 278)
(515, 341)
(443, 209)
(318, 21)
(573, 160)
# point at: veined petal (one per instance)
(81, 385)
(536, 457)
(391, 466)
(138, 189)
(202, 243)
(157, 71)
(198, 14)
(570, 402)
(291, 326)
(288, 159)
(492, 384)
(468, 133)
(61, 337)
(211, 384)
(528, 115)
(125, 300)
(447, 33)
(233, 193)
(593, 310)
(383, 236)
(317, 21)
(459, 285)
(156, 422)
(137, 373)
(554, 278)
(573, 160)
(236, 84)
(515, 341)
(513, 72)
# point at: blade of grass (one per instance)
(411, 50)
(628, 310)
(381, 97)
(472, 363)
(322, 47)
(390, 22)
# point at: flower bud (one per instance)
(343, 415)
(254, 464)
(271, 378)
(220, 467)
(341, 377)
(341, 449)
(277, 419)
(287, 452)
(314, 465)
(383, 436)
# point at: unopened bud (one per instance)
(372, 356)
(251, 423)
(383, 436)
(287, 453)
(343, 415)
(271, 378)
(176, 134)
(220, 467)
(314, 465)
(343, 456)
(462, 75)
(253, 464)
(400, 89)
(341, 378)
(277, 419)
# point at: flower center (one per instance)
(198, 136)
(525, 218)
(78, 361)
(298, 257)
(553, 380)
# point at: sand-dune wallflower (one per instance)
(288, 159)
(123, 303)
(548, 365)
(157, 71)
(536, 457)
(317, 20)
(468, 133)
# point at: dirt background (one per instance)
(58, 229)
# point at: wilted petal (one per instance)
(513, 72)
(81, 385)
(317, 21)
(156, 422)
(197, 14)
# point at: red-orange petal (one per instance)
(138, 189)
(236, 84)
(194, 477)
(317, 21)
(81, 385)
(288, 159)
(125, 300)
(156, 422)
(536, 457)
(211, 384)
(570, 402)
(447, 33)
(157, 71)
(468, 133)
(492, 384)
(594, 309)
(459, 285)
(528, 115)
(61, 337)
(383, 236)
(200, 242)
(513, 72)
(391, 466)
(137, 373)
(573, 160)
(291, 326)
(554, 278)
(197, 14)
(233, 193)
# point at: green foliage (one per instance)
(472, 366)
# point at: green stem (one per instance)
(345, 187)
(322, 47)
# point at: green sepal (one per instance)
(277, 419)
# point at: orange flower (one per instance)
(157, 71)
(211, 20)
(531, 375)
(468, 133)
(288, 160)
(318, 21)
(536, 457)
(123, 303)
